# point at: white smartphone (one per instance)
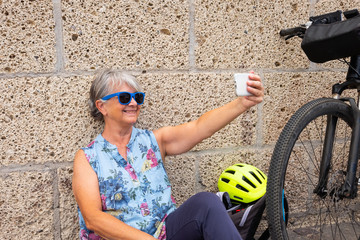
(240, 81)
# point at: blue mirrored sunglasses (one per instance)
(125, 97)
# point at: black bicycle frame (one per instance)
(320, 189)
(349, 189)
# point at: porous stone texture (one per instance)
(67, 205)
(326, 6)
(287, 92)
(274, 51)
(26, 205)
(27, 36)
(126, 34)
(245, 34)
(43, 119)
(172, 99)
(183, 52)
(182, 172)
(224, 34)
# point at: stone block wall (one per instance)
(184, 52)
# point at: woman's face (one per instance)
(124, 114)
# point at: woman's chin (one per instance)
(131, 119)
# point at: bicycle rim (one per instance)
(294, 170)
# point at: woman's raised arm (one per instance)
(181, 138)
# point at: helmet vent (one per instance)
(248, 181)
(230, 171)
(238, 197)
(257, 178)
(261, 174)
(241, 188)
(225, 180)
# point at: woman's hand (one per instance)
(256, 88)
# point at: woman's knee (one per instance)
(208, 200)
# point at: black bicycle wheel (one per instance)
(294, 172)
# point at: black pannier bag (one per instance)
(247, 218)
(325, 42)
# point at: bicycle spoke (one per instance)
(352, 224)
(313, 161)
(310, 141)
(309, 174)
(302, 166)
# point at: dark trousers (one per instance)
(203, 216)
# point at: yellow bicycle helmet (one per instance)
(244, 183)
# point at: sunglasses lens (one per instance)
(124, 98)
(139, 98)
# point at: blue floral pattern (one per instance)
(137, 191)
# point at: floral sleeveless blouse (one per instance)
(137, 191)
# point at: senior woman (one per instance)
(119, 180)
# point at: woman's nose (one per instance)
(133, 102)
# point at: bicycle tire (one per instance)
(310, 216)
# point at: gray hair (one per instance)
(104, 83)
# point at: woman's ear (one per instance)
(100, 105)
